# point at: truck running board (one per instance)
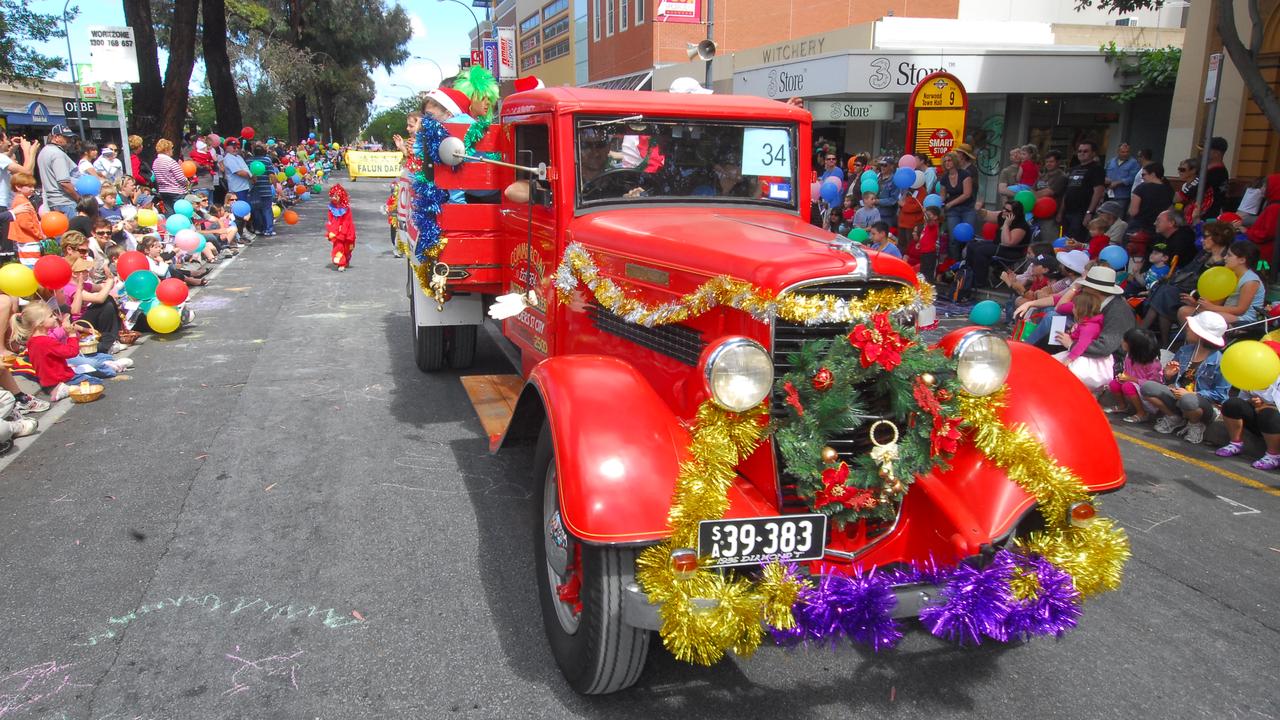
(494, 399)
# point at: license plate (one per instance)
(755, 541)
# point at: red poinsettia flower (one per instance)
(793, 397)
(835, 491)
(925, 397)
(879, 343)
(945, 437)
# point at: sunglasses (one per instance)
(102, 233)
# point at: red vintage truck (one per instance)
(660, 249)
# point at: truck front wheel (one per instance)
(581, 592)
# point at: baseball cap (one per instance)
(232, 141)
(108, 151)
(1161, 247)
(62, 130)
(1229, 217)
(1046, 261)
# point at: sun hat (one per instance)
(687, 86)
(452, 100)
(1103, 279)
(81, 265)
(1111, 207)
(1209, 326)
(1074, 260)
(966, 150)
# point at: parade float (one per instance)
(739, 436)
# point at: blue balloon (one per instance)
(1060, 242)
(869, 175)
(1115, 256)
(182, 207)
(305, 196)
(870, 186)
(831, 192)
(199, 249)
(311, 135)
(932, 201)
(241, 209)
(985, 313)
(963, 232)
(1015, 189)
(175, 224)
(904, 178)
(88, 185)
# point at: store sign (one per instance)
(679, 11)
(506, 53)
(936, 115)
(490, 54)
(114, 55)
(850, 110)
(39, 113)
(81, 108)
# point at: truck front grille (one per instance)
(675, 341)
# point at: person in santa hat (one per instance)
(447, 105)
(339, 227)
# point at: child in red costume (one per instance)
(339, 228)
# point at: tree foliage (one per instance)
(1156, 68)
(390, 121)
(19, 63)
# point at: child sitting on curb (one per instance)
(1193, 381)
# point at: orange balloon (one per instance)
(289, 217)
(189, 168)
(299, 189)
(53, 223)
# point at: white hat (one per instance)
(1209, 326)
(1074, 260)
(1102, 279)
(202, 146)
(687, 86)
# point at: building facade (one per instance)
(545, 40)
(32, 111)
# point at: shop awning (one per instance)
(28, 119)
(634, 81)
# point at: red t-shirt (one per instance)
(1096, 244)
(1030, 174)
(49, 357)
(929, 239)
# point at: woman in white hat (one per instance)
(1193, 384)
(1073, 264)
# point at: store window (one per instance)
(624, 12)
(529, 42)
(530, 60)
(554, 9)
(608, 17)
(558, 27)
(595, 20)
(560, 49)
(530, 23)
(639, 11)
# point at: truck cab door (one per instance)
(529, 244)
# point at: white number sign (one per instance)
(766, 151)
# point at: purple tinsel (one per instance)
(975, 603)
(426, 196)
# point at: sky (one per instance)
(439, 34)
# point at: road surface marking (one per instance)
(1246, 511)
(1246, 481)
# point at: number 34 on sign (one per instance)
(766, 151)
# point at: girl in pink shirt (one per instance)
(1141, 363)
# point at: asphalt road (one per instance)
(278, 516)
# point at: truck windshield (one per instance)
(647, 160)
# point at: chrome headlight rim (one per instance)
(966, 344)
(716, 354)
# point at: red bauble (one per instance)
(172, 291)
(823, 380)
(52, 272)
(130, 261)
(944, 395)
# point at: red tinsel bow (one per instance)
(793, 397)
(926, 398)
(879, 343)
(835, 491)
(945, 437)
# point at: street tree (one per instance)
(1243, 57)
(19, 63)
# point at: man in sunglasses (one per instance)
(1086, 187)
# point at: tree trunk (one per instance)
(217, 65)
(177, 77)
(1246, 60)
(149, 89)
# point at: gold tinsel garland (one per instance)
(577, 266)
(422, 271)
(1095, 554)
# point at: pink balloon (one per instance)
(815, 188)
(187, 240)
(908, 162)
(214, 139)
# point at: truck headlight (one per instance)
(982, 362)
(738, 373)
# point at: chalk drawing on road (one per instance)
(1151, 524)
(329, 617)
(21, 689)
(1244, 509)
(270, 671)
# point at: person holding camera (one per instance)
(8, 167)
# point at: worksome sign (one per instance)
(115, 58)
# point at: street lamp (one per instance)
(71, 61)
(473, 17)
(433, 62)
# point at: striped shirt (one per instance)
(169, 176)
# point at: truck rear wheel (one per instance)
(462, 346)
(428, 343)
(581, 588)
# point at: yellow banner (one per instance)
(362, 163)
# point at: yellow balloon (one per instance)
(163, 318)
(148, 217)
(17, 280)
(1216, 283)
(275, 211)
(281, 176)
(1250, 365)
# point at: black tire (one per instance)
(462, 346)
(428, 343)
(602, 655)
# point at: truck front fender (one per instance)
(618, 449)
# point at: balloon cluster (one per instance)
(159, 299)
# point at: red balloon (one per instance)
(1045, 207)
(53, 223)
(989, 231)
(53, 272)
(247, 133)
(172, 292)
(130, 261)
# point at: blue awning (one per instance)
(29, 119)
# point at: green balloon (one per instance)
(317, 188)
(290, 170)
(141, 284)
(986, 313)
(257, 167)
(859, 235)
(1026, 198)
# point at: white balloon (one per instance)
(919, 180)
(128, 212)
